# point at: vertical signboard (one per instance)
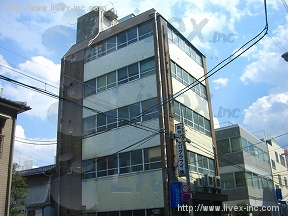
(180, 150)
(176, 194)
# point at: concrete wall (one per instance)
(5, 171)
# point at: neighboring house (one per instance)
(8, 115)
(117, 117)
(39, 180)
(279, 167)
(245, 168)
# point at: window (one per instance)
(121, 40)
(89, 125)
(273, 164)
(279, 179)
(147, 67)
(245, 145)
(89, 87)
(111, 79)
(276, 157)
(192, 118)
(88, 169)
(124, 162)
(122, 75)
(227, 181)
(101, 166)
(133, 72)
(112, 164)
(111, 44)
(149, 110)
(240, 179)
(282, 161)
(192, 162)
(255, 181)
(101, 83)
(136, 161)
(132, 35)
(101, 122)
(184, 77)
(145, 30)
(285, 182)
(249, 179)
(236, 144)
(223, 146)
(152, 158)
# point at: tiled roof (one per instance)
(38, 170)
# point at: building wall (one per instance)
(280, 170)
(5, 169)
(235, 161)
(123, 192)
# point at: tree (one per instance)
(19, 192)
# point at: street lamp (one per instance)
(285, 56)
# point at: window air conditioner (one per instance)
(217, 182)
(208, 180)
(199, 182)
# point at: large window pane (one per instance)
(236, 144)
(101, 122)
(123, 115)
(240, 179)
(147, 67)
(135, 111)
(111, 44)
(122, 75)
(192, 162)
(173, 69)
(112, 164)
(102, 49)
(88, 168)
(121, 40)
(133, 72)
(136, 161)
(176, 108)
(245, 145)
(111, 79)
(101, 83)
(89, 125)
(132, 35)
(200, 163)
(227, 181)
(112, 119)
(207, 127)
(101, 166)
(149, 110)
(124, 162)
(223, 146)
(145, 30)
(249, 179)
(152, 158)
(89, 87)
(256, 181)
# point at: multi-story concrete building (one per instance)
(8, 115)
(278, 166)
(122, 95)
(244, 163)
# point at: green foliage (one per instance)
(19, 192)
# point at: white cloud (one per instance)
(268, 66)
(269, 113)
(220, 82)
(41, 69)
(41, 155)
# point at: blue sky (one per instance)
(252, 90)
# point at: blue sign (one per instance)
(279, 194)
(176, 194)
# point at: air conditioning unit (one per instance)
(208, 180)
(199, 182)
(217, 182)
